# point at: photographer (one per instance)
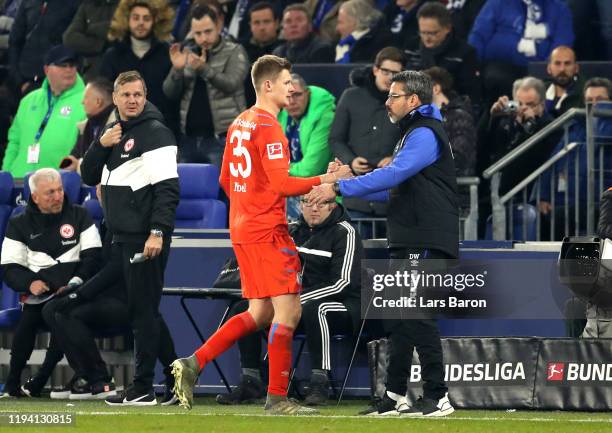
(207, 76)
(510, 123)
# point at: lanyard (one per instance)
(46, 119)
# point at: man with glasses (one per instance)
(437, 45)
(331, 253)
(361, 134)
(307, 121)
(44, 130)
(420, 188)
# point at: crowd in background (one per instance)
(59, 59)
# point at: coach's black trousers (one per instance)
(30, 323)
(144, 282)
(421, 333)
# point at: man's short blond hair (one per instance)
(268, 67)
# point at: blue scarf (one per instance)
(348, 41)
(293, 135)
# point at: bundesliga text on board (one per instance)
(576, 373)
(491, 373)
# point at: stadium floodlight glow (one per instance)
(585, 267)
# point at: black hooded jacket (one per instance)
(331, 256)
(140, 189)
(53, 248)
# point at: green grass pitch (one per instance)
(209, 417)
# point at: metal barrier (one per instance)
(529, 190)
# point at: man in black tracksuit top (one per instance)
(135, 161)
(422, 223)
(331, 253)
(49, 246)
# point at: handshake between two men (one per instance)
(327, 191)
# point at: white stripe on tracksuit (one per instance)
(345, 274)
(325, 308)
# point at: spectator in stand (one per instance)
(45, 127)
(362, 32)
(138, 32)
(239, 26)
(307, 121)
(264, 24)
(38, 26)
(464, 13)
(401, 17)
(87, 32)
(361, 134)
(437, 45)
(302, 45)
(565, 89)
(508, 34)
(596, 90)
(207, 76)
(506, 126)
(99, 108)
(457, 120)
(324, 15)
(182, 23)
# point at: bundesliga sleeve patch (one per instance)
(275, 150)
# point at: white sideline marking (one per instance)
(448, 418)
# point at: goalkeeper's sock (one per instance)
(280, 340)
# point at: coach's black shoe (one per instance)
(388, 406)
(63, 392)
(80, 390)
(103, 389)
(34, 386)
(318, 393)
(132, 397)
(249, 390)
(427, 407)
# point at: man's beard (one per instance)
(391, 118)
(563, 80)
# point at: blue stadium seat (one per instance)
(10, 311)
(95, 210)
(198, 207)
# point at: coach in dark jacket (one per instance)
(51, 245)
(423, 223)
(135, 160)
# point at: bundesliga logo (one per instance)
(578, 372)
(554, 371)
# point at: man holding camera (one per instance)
(207, 76)
(508, 124)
